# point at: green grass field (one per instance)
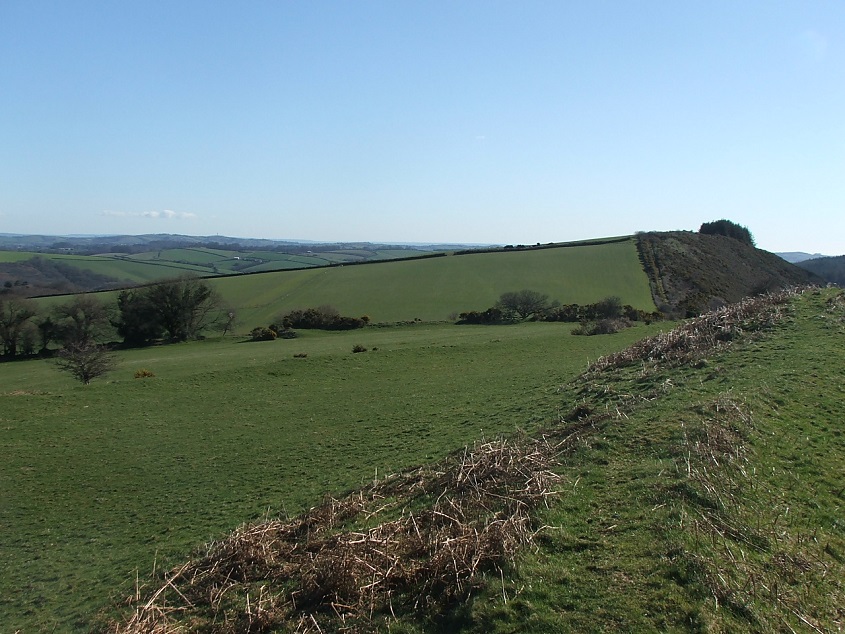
(430, 289)
(101, 482)
(433, 289)
(708, 500)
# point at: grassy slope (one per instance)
(431, 289)
(715, 506)
(118, 267)
(99, 481)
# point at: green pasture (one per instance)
(203, 257)
(103, 482)
(714, 504)
(16, 256)
(135, 270)
(432, 289)
(120, 267)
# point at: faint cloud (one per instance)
(813, 44)
(167, 214)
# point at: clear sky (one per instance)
(399, 121)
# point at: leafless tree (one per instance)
(86, 361)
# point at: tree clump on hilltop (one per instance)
(729, 229)
(691, 273)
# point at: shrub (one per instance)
(322, 317)
(262, 334)
(601, 327)
(358, 348)
(86, 361)
(300, 355)
(143, 373)
(489, 316)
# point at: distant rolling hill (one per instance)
(679, 273)
(47, 273)
(795, 257)
(831, 269)
(433, 289)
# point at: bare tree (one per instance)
(86, 361)
(229, 319)
(179, 309)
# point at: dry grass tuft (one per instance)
(696, 338)
(413, 542)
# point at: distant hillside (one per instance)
(89, 245)
(433, 288)
(97, 272)
(691, 273)
(109, 261)
(46, 276)
(832, 270)
(799, 256)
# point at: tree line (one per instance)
(515, 306)
(173, 310)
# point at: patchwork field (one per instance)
(149, 266)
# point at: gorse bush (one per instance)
(608, 308)
(143, 373)
(489, 316)
(323, 318)
(263, 334)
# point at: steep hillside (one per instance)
(831, 269)
(695, 484)
(691, 273)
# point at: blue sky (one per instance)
(459, 121)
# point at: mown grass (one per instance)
(104, 481)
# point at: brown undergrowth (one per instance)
(414, 542)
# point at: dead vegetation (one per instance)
(701, 336)
(414, 543)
